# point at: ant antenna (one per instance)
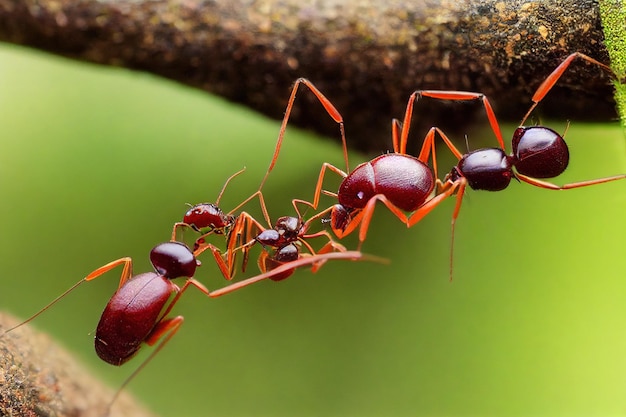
(467, 147)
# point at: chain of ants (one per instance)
(402, 182)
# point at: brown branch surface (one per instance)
(38, 378)
(366, 55)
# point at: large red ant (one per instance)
(138, 311)
(402, 182)
(405, 183)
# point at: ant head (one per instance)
(287, 253)
(539, 152)
(269, 237)
(288, 224)
(340, 217)
(173, 260)
(290, 227)
(207, 215)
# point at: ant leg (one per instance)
(365, 217)
(552, 79)
(396, 128)
(225, 267)
(318, 187)
(258, 194)
(429, 148)
(243, 227)
(464, 96)
(302, 261)
(181, 225)
(448, 190)
(219, 196)
(328, 106)
(330, 247)
(551, 186)
(406, 125)
(429, 205)
(126, 273)
(241, 237)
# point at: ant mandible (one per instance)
(138, 311)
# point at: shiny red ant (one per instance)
(405, 183)
(285, 239)
(402, 182)
(138, 311)
(538, 152)
(209, 218)
(242, 231)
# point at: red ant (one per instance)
(209, 218)
(405, 183)
(538, 152)
(400, 181)
(285, 238)
(138, 311)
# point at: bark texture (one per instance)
(38, 378)
(366, 55)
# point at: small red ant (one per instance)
(288, 233)
(209, 218)
(242, 231)
(405, 183)
(138, 311)
(284, 239)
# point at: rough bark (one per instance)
(38, 378)
(366, 55)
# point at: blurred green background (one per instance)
(97, 163)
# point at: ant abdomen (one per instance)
(403, 179)
(539, 152)
(130, 316)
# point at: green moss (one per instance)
(613, 13)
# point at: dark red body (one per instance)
(485, 169)
(403, 179)
(130, 317)
(539, 152)
(208, 215)
(282, 238)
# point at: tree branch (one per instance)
(367, 56)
